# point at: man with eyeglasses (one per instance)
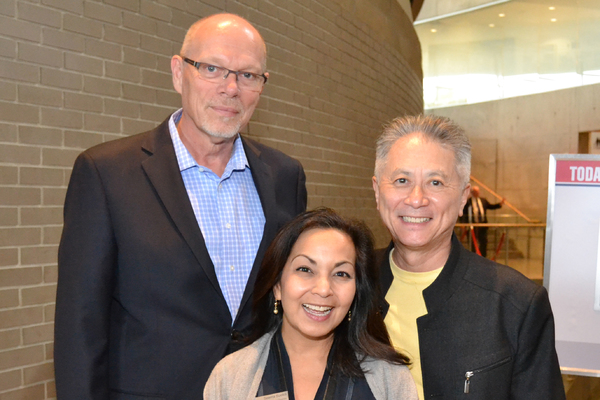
(164, 231)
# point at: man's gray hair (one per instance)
(441, 130)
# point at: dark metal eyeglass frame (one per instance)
(197, 64)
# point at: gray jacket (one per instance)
(237, 376)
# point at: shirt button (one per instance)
(201, 169)
(232, 268)
(227, 226)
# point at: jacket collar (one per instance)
(442, 287)
(163, 171)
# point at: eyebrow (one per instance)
(313, 262)
(428, 175)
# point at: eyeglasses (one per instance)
(213, 73)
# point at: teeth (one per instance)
(415, 220)
(317, 310)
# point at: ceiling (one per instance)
(510, 49)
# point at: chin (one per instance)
(223, 134)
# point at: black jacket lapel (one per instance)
(265, 186)
(162, 169)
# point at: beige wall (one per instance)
(513, 138)
(74, 73)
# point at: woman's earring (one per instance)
(349, 315)
(275, 310)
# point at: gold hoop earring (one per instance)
(275, 309)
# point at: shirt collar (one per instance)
(237, 162)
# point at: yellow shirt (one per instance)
(405, 298)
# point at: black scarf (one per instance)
(277, 377)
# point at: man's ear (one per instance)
(376, 190)
(465, 196)
(177, 65)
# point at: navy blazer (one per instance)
(488, 330)
(139, 310)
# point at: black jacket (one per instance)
(139, 311)
(487, 320)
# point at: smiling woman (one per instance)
(317, 330)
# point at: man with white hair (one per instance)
(164, 231)
(473, 329)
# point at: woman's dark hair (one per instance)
(365, 334)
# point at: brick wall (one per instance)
(75, 73)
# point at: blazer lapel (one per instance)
(162, 170)
(265, 186)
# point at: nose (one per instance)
(230, 85)
(416, 198)
(322, 287)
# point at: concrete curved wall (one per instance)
(74, 73)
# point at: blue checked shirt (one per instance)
(229, 213)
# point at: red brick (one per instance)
(156, 45)
(74, 6)
(103, 86)
(9, 298)
(102, 12)
(154, 10)
(62, 118)
(8, 7)
(9, 257)
(82, 140)
(83, 102)
(38, 334)
(85, 64)
(101, 123)
(58, 157)
(81, 25)
(10, 380)
(121, 108)
(19, 113)
(61, 79)
(8, 133)
(19, 71)
(51, 235)
(54, 196)
(40, 95)
(10, 338)
(8, 175)
(168, 98)
(51, 390)
(49, 312)
(19, 317)
(139, 23)
(154, 113)
(62, 40)
(12, 196)
(38, 373)
(40, 136)
(98, 48)
(124, 72)
(9, 216)
(20, 276)
(157, 79)
(8, 91)
(37, 392)
(140, 58)
(122, 36)
(139, 93)
(39, 255)
(132, 5)
(39, 15)
(20, 29)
